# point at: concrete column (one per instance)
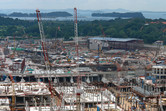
(125, 107)
(116, 102)
(108, 105)
(27, 106)
(147, 87)
(24, 99)
(73, 106)
(153, 71)
(93, 97)
(35, 104)
(97, 98)
(88, 107)
(150, 88)
(102, 100)
(159, 71)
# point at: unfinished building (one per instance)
(107, 43)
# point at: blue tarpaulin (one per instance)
(141, 103)
(151, 78)
(98, 109)
(4, 77)
(96, 56)
(142, 83)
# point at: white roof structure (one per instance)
(47, 108)
(91, 94)
(159, 66)
(22, 89)
(4, 104)
(42, 108)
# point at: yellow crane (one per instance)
(68, 59)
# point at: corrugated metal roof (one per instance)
(114, 39)
(159, 66)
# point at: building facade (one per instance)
(159, 73)
(107, 43)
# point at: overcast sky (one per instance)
(133, 5)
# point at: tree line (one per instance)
(146, 29)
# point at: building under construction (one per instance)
(53, 75)
(107, 43)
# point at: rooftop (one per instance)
(22, 89)
(114, 39)
(159, 66)
(90, 94)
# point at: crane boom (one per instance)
(47, 63)
(79, 91)
(42, 36)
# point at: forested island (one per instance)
(119, 15)
(146, 29)
(45, 15)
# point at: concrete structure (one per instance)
(91, 96)
(159, 72)
(4, 104)
(115, 43)
(34, 93)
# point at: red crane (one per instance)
(78, 90)
(103, 33)
(47, 63)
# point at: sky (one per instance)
(132, 5)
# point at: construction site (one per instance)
(86, 74)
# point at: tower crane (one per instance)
(103, 33)
(47, 63)
(78, 90)
(76, 30)
(42, 36)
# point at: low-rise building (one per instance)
(107, 43)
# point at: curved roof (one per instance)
(114, 39)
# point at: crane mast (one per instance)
(76, 30)
(47, 63)
(76, 45)
(79, 91)
(42, 36)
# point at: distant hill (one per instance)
(115, 14)
(45, 15)
(1, 14)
